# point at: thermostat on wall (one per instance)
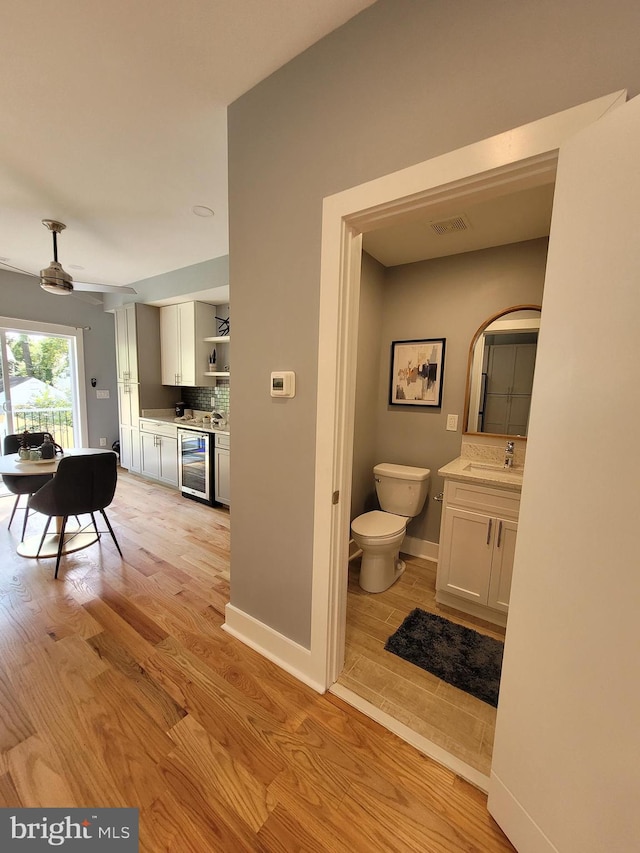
(283, 383)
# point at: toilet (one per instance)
(402, 491)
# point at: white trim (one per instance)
(279, 649)
(421, 548)
(79, 392)
(524, 156)
(39, 327)
(470, 607)
(354, 550)
(523, 832)
(422, 744)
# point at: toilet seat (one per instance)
(379, 525)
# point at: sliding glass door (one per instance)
(40, 387)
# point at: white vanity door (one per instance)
(502, 564)
(466, 553)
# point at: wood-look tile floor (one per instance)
(454, 720)
(118, 687)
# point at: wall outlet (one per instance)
(102, 395)
(452, 423)
(103, 442)
(213, 402)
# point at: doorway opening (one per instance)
(523, 158)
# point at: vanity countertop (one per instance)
(485, 474)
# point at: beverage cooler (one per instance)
(195, 465)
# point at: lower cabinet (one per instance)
(128, 407)
(477, 545)
(222, 459)
(130, 448)
(159, 451)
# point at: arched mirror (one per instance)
(502, 359)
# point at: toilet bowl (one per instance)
(379, 536)
(401, 490)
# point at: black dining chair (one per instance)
(23, 485)
(82, 485)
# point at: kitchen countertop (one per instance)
(183, 424)
(485, 474)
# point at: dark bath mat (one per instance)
(461, 657)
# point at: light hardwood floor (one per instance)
(119, 688)
(451, 718)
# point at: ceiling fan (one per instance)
(54, 279)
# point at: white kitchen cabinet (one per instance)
(129, 409)
(159, 451)
(130, 448)
(127, 343)
(129, 403)
(222, 465)
(137, 333)
(184, 351)
(477, 545)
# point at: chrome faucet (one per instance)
(508, 455)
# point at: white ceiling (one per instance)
(113, 120)
(512, 218)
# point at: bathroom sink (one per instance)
(488, 466)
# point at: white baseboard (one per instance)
(354, 551)
(470, 607)
(420, 548)
(516, 823)
(292, 657)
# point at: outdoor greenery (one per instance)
(45, 358)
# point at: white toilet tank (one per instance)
(402, 489)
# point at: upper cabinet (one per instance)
(138, 343)
(126, 343)
(184, 351)
(137, 331)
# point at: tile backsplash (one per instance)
(200, 398)
(491, 448)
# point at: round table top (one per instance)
(12, 464)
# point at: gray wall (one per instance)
(402, 82)
(22, 298)
(446, 298)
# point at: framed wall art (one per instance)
(417, 370)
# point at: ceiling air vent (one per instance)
(450, 226)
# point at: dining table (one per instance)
(75, 538)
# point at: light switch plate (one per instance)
(102, 395)
(452, 423)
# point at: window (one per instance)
(40, 380)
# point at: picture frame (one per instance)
(417, 372)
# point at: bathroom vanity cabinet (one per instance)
(477, 545)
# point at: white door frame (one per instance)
(523, 157)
